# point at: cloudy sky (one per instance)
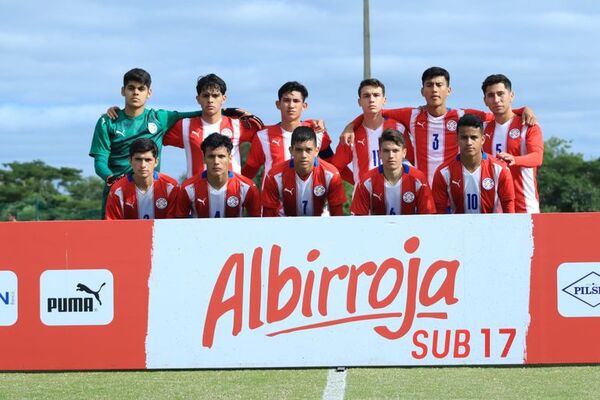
(62, 62)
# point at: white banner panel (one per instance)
(578, 290)
(346, 291)
(9, 304)
(76, 297)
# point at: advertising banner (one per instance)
(431, 290)
(300, 292)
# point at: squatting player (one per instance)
(303, 185)
(473, 182)
(510, 139)
(393, 187)
(113, 138)
(143, 193)
(218, 192)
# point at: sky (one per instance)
(62, 62)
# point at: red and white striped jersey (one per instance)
(489, 189)
(433, 140)
(291, 195)
(364, 153)
(271, 146)
(126, 201)
(376, 196)
(198, 198)
(189, 133)
(526, 144)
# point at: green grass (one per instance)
(247, 384)
(362, 383)
(473, 383)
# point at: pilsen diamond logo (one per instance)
(586, 289)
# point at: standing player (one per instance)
(473, 182)
(508, 138)
(432, 129)
(393, 187)
(113, 138)
(364, 152)
(270, 145)
(190, 132)
(142, 193)
(218, 192)
(304, 184)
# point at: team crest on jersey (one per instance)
(233, 201)
(152, 128)
(227, 132)
(451, 125)
(488, 183)
(161, 203)
(514, 133)
(319, 190)
(408, 197)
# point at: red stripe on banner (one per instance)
(336, 322)
(123, 248)
(436, 315)
(552, 337)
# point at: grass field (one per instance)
(361, 383)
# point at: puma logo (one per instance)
(203, 201)
(275, 142)
(457, 183)
(129, 204)
(378, 195)
(82, 288)
(362, 141)
(195, 133)
(119, 133)
(290, 191)
(421, 124)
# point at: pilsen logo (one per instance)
(305, 288)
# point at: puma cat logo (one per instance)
(362, 141)
(275, 142)
(457, 183)
(290, 191)
(203, 201)
(83, 288)
(377, 195)
(421, 124)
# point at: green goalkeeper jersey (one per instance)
(112, 139)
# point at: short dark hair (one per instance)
(216, 140)
(292, 86)
(392, 135)
(371, 82)
(137, 75)
(494, 79)
(470, 120)
(303, 134)
(143, 145)
(433, 72)
(210, 81)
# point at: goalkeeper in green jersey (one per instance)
(112, 138)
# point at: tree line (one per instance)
(35, 191)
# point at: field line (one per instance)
(336, 385)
